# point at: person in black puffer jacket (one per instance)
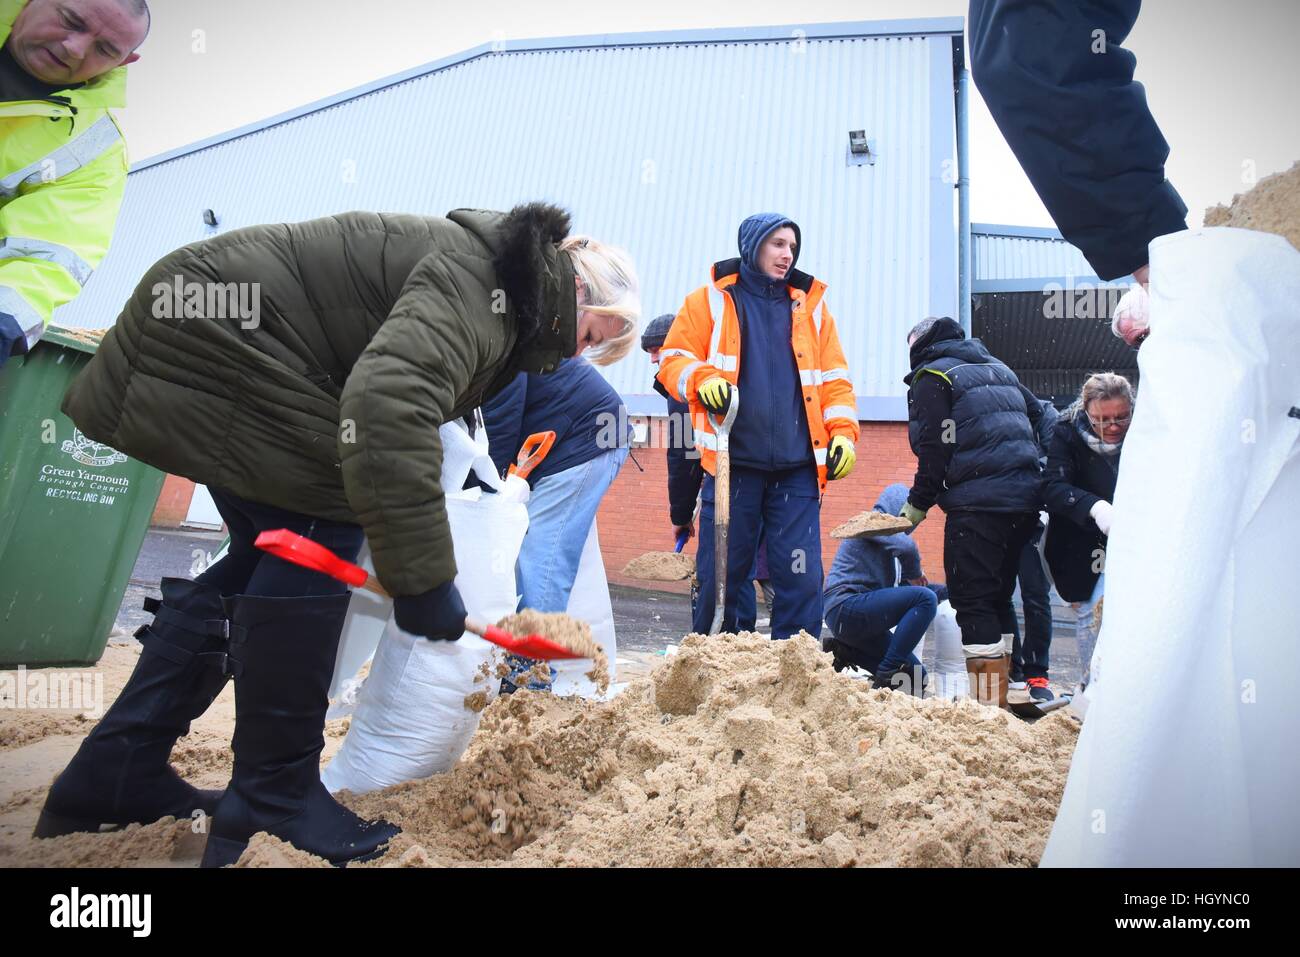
(1079, 483)
(972, 426)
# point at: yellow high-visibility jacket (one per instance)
(63, 170)
(704, 341)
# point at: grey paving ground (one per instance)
(646, 621)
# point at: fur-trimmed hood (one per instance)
(537, 278)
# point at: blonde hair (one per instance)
(1099, 387)
(608, 275)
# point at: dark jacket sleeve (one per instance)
(503, 418)
(931, 406)
(685, 473)
(1063, 496)
(1077, 122)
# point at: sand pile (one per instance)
(870, 524)
(661, 567)
(738, 751)
(160, 844)
(1272, 206)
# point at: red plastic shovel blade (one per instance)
(529, 646)
(292, 547)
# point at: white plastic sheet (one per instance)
(950, 680)
(589, 602)
(1188, 756)
(411, 719)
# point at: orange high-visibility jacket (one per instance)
(704, 341)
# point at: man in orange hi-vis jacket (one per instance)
(762, 328)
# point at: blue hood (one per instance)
(754, 230)
(892, 498)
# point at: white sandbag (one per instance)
(589, 602)
(368, 613)
(411, 718)
(1188, 756)
(950, 679)
(367, 618)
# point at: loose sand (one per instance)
(738, 750)
(661, 567)
(565, 631)
(1272, 206)
(871, 524)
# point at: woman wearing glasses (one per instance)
(1079, 483)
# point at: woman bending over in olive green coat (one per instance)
(301, 372)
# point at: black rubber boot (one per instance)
(908, 679)
(282, 656)
(120, 774)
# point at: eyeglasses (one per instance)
(1107, 423)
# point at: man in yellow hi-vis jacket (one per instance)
(762, 327)
(62, 157)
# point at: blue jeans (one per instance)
(786, 505)
(561, 509)
(863, 621)
(1085, 634)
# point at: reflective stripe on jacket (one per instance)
(698, 348)
(63, 171)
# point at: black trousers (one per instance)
(981, 558)
(247, 570)
(1029, 656)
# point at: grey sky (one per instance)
(1220, 76)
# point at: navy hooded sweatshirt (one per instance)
(771, 427)
(864, 565)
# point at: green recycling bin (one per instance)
(73, 513)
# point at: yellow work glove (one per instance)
(715, 394)
(912, 514)
(840, 458)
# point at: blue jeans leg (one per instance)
(863, 622)
(561, 509)
(1084, 632)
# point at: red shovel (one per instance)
(292, 547)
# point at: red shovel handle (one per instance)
(293, 547)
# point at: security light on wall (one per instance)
(862, 151)
(209, 217)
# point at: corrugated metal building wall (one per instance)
(661, 143)
(1042, 310)
(1025, 255)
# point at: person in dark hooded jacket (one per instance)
(317, 411)
(972, 428)
(864, 600)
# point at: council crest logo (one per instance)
(91, 453)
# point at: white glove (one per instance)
(1100, 513)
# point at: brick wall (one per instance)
(633, 517)
(173, 502)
